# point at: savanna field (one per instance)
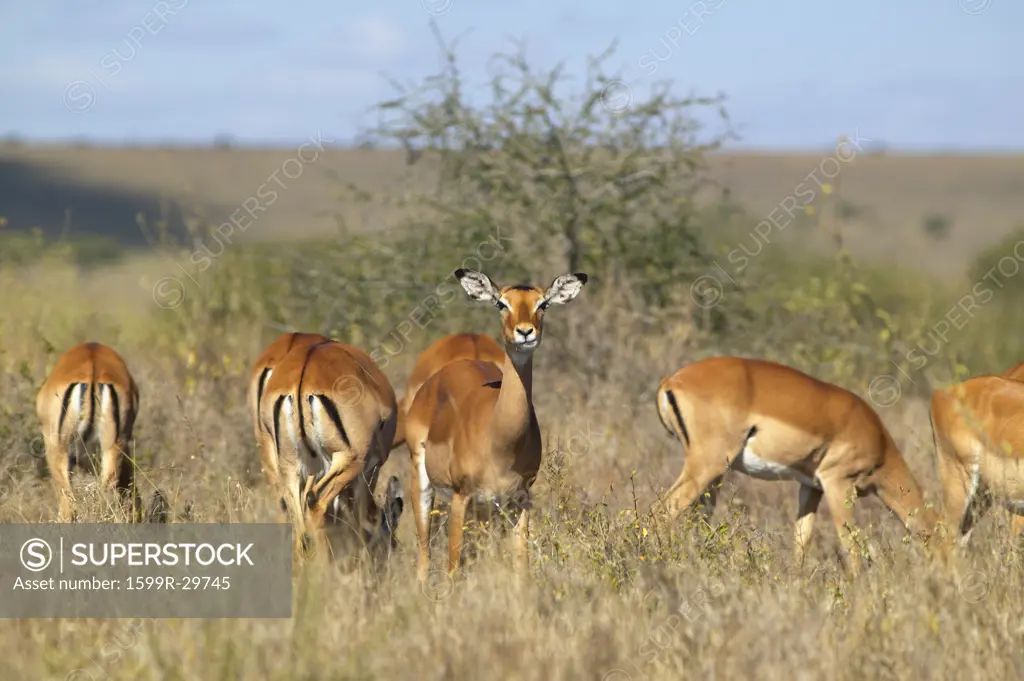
(848, 283)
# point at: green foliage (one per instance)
(535, 180)
(1000, 264)
(31, 246)
(582, 180)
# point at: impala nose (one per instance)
(524, 332)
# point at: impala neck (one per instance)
(511, 418)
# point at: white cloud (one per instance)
(374, 38)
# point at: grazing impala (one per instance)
(440, 354)
(327, 418)
(472, 429)
(89, 400)
(261, 371)
(978, 427)
(773, 422)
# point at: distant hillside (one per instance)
(100, 190)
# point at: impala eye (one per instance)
(543, 305)
(500, 305)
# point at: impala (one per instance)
(772, 422)
(440, 354)
(978, 426)
(1016, 372)
(89, 400)
(261, 371)
(327, 418)
(471, 428)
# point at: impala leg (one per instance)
(692, 482)
(807, 509)
(58, 460)
(291, 489)
(314, 531)
(840, 495)
(960, 507)
(294, 498)
(117, 472)
(422, 503)
(456, 521)
(270, 464)
(127, 482)
(345, 467)
(709, 499)
(341, 472)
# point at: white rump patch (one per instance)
(81, 399)
(426, 490)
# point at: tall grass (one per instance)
(611, 593)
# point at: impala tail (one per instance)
(89, 400)
(671, 415)
(77, 413)
(399, 438)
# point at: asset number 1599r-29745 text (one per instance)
(191, 583)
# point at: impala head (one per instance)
(522, 307)
(386, 517)
(391, 512)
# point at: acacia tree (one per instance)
(598, 180)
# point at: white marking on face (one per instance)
(749, 463)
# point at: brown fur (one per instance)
(99, 369)
(1016, 372)
(343, 381)
(835, 443)
(440, 354)
(472, 427)
(979, 436)
(269, 359)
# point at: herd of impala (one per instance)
(468, 421)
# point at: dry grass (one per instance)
(603, 601)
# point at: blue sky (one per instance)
(914, 74)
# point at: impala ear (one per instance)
(565, 288)
(478, 285)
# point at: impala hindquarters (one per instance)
(259, 375)
(90, 401)
(330, 414)
(978, 427)
(772, 422)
